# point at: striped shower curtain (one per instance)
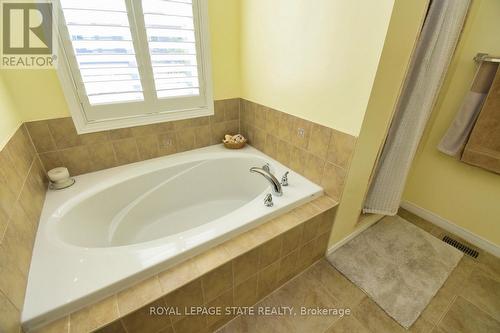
(432, 57)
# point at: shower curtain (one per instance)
(431, 59)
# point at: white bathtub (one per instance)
(118, 226)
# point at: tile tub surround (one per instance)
(319, 153)
(58, 144)
(238, 272)
(22, 193)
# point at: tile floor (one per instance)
(469, 301)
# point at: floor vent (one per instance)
(462, 247)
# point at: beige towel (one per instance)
(483, 147)
(453, 142)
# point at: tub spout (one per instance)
(275, 184)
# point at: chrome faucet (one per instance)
(275, 184)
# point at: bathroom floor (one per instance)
(469, 301)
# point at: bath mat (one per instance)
(400, 266)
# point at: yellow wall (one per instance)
(314, 59)
(465, 195)
(38, 95)
(9, 117)
(404, 28)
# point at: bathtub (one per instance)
(116, 227)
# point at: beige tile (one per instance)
(211, 259)
(314, 168)
(147, 130)
(245, 293)
(191, 324)
(94, 316)
(459, 275)
(232, 110)
(19, 239)
(203, 136)
(286, 127)
(217, 281)
(21, 152)
(259, 139)
(321, 246)
(326, 222)
(51, 160)
(168, 126)
(58, 326)
(421, 325)
(268, 279)
(374, 318)
(287, 221)
(219, 111)
(148, 147)
(416, 220)
(139, 295)
(7, 200)
(298, 159)
(167, 143)
(189, 295)
(178, 276)
(185, 139)
(301, 133)
(333, 181)
(93, 138)
(120, 134)
(12, 279)
(114, 327)
(466, 317)
(288, 266)
(271, 147)
(319, 140)
(224, 302)
(33, 193)
(272, 121)
(102, 156)
(10, 321)
(64, 133)
(76, 159)
(324, 202)
(284, 152)
(142, 321)
(8, 171)
(190, 123)
(337, 285)
(306, 212)
(219, 131)
(270, 252)
(484, 292)
(126, 151)
(489, 264)
(341, 149)
(347, 324)
(260, 117)
(291, 239)
(246, 265)
(307, 255)
(438, 306)
(40, 134)
(240, 244)
(310, 231)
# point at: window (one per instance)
(130, 62)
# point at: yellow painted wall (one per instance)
(315, 59)
(10, 119)
(465, 195)
(38, 95)
(403, 31)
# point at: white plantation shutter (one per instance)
(132, 62)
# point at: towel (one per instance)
(483, 147)
(456, 136)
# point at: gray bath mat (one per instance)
(400, 266)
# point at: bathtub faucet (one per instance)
(275, 184)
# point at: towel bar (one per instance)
(486, 57)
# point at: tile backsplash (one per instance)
(57, 142)
(319, 153)
(22, 193)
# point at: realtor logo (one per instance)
(27, 34)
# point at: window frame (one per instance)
(156, 110)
